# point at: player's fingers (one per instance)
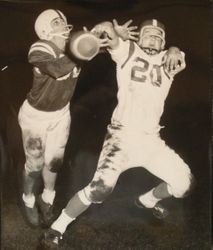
(176, 61)
(172, 64)
(104, 42)
(167, 63)
(180, 60)
(164, 59)
(97, 28)
(104, 45)
(134, 33)
(85, 28)
(115, 23)
(94, 32)
(134, 38)
(132, 28)
(126, 24)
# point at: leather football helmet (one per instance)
(153, 27)
(43, 27)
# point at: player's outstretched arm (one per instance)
(126, 32)
(174, 61)
(106, 33)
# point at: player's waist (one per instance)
(127, 126)
(34, 113)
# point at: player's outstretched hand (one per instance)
(103, 42)
(106, 33)
(173, 60)
(125, 31)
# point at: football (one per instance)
(84, 45)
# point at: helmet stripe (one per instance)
(59, 14)
(155, 22)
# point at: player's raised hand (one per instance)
(103, 42)
(125, 31)
(106, 34)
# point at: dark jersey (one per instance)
(54, 77)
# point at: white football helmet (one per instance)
(43, 26)
(147, 28)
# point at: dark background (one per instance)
(116, 224)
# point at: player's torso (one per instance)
(143, 86)
(48, 93)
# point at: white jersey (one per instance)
(143, 85)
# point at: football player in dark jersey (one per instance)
(44, 117)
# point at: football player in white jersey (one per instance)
(145, 72)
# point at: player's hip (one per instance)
(122, 147)
(29, 115)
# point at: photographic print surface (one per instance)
(185, 125)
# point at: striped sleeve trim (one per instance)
(39, 46)
(131, 51)
(63, 77)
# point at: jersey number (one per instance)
(138, 73)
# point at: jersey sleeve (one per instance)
(122, 52)
(44, 58)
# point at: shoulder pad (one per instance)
(42, 46)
